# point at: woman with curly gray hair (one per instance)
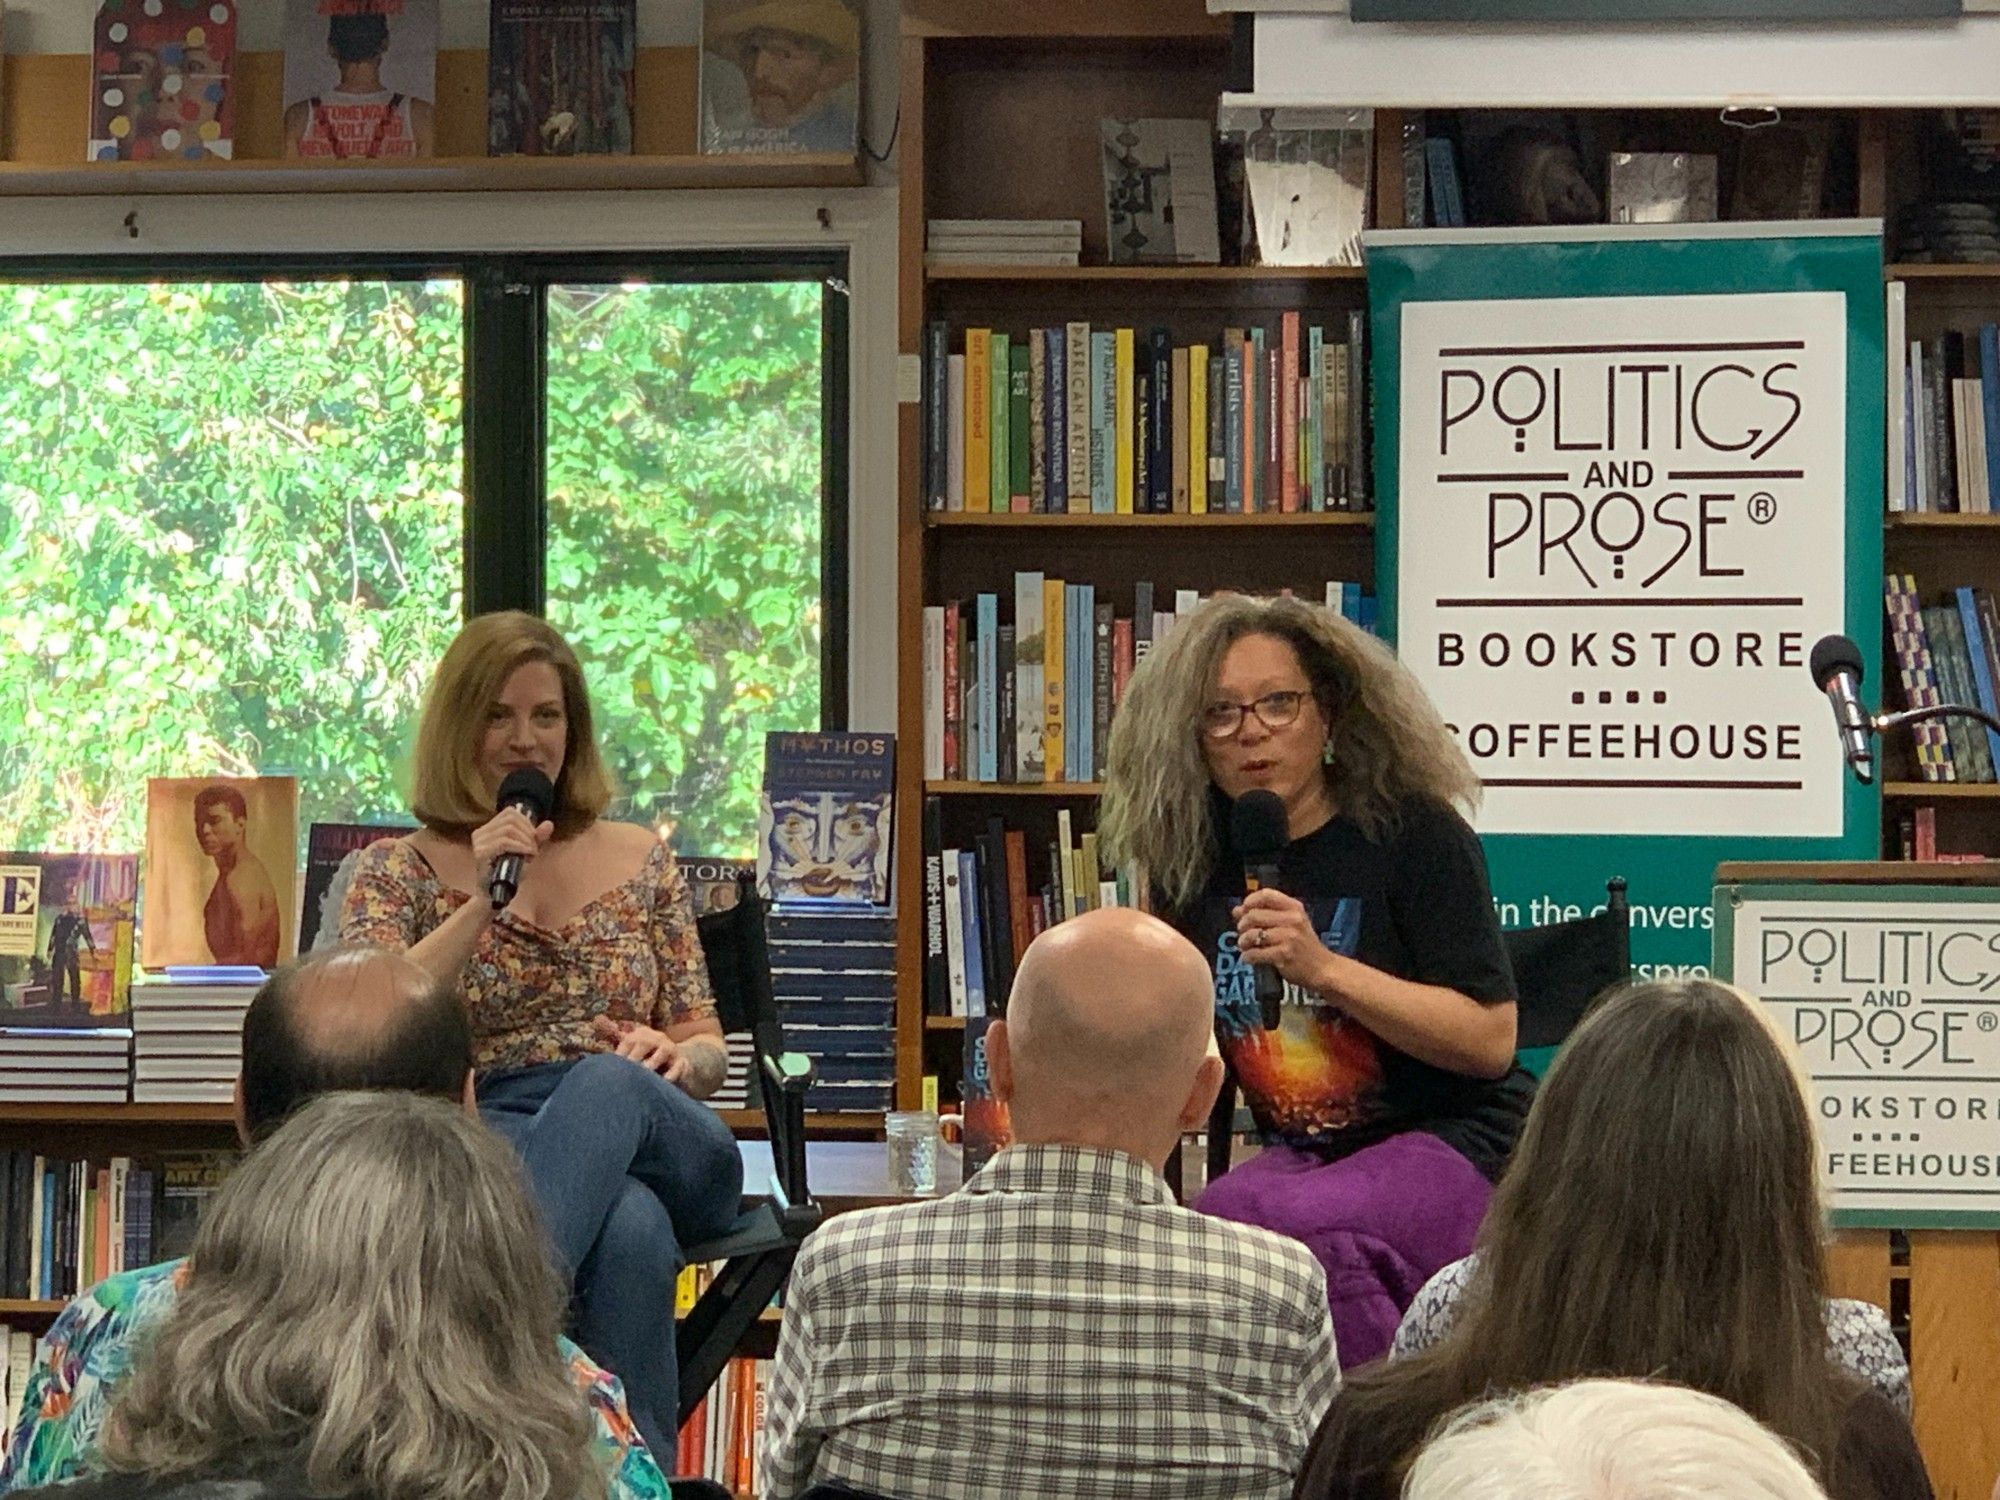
(1388, 1095)
(369, 1314)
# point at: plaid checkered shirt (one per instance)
(1059, 1326)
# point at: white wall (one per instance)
(863, 221)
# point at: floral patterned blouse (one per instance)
(1858, 1336)
(632, 954)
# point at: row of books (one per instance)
(1082, 420)
(723, 1437)
(1917, 840)
(360, 79)
(1004, 705)
(1944, 419)
(984, 904)
(70, 1223)
(1946, 653)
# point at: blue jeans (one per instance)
(627, 1170)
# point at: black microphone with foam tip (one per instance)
(1836, 671)
(533, 794)
(1257, 829)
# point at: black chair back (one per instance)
(739, 976)
(1561, 967)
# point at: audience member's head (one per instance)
(1108, 1037)
(369, 1311)
(1660, 1218)
(1607, 1440)
(349, 1018)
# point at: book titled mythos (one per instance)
(559, 77)
(824, 820)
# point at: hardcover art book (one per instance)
(360, 78)
(559, 77)
(824, 821)
(66, 928)
(712, 880)
(161, 81)
(1159, 192)
(1308, 173)
(222, 859)
(330, 851)
(780, 76)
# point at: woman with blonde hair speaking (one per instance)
(368, 1313)
(1387, 1095)
(594, 1033)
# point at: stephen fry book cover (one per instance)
(222, 859)
(360, 79)
(161, 86)
(559, 77)
(824, 820)
(66, 926)
(780, 75)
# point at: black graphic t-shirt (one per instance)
(1416, 905)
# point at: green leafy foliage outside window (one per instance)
(684, 482)
(231, 539)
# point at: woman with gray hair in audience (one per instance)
(369, 1313)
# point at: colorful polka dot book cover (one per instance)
(161, 81)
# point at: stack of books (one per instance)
(1005, 242)
(833, 972)
(187, 1027)
(65, 1065)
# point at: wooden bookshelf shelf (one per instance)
(1330, 520)
(29, 1307)
(116, 1114)
(1145, 275)
(1925, 790)
(1938, 521)
(1911, 271)
(436, 175)
(1014, 788)
(944, 1023)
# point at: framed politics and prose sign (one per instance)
(1892, 994)
(1629, 477)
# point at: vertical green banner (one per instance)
(1628, 476)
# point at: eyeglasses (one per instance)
(1274, 711)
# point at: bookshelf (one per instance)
(977, 82)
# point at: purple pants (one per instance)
(1382, 1222)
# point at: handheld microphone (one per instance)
(533, 794)
(1257, 829)
(1836, 671)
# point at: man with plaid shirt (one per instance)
(1061, 1326)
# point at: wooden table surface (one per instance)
(843, 1175)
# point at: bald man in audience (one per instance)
(347, 1018)
(1061, 1326)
